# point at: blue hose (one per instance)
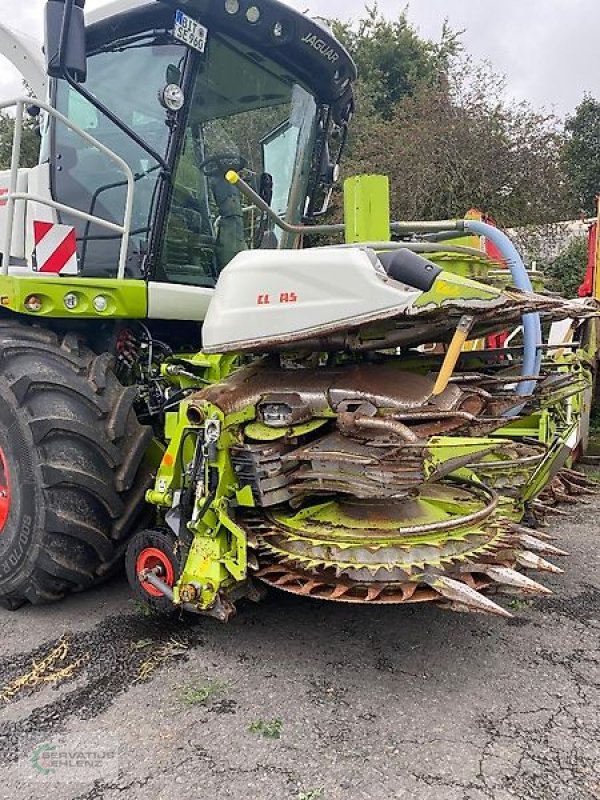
(532, 326)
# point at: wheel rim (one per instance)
(4, 491)
(150, 558)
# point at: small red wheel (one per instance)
(4, 490)
(153, 550)
(149, 559)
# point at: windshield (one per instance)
(241, 112)
(127, 79)
(246, 114)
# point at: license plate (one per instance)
(190, 32)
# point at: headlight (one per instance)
(172, 97)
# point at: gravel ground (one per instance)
(305, 700)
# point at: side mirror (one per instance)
(265, 187)
(65, 52)
(173, 75)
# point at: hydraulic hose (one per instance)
(532, 326)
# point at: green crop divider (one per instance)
(367, 208)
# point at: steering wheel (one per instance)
(217, 165)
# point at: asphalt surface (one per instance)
(377, 702)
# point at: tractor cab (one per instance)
(204, 87)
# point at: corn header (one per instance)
(198, 375)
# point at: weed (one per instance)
(143, 609)
(310, 794)
(518, 603)
(200, 694)
(270, 730)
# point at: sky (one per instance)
(546, 48)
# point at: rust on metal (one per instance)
(395, 327)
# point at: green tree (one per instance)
(450, 147)
(393, 61)
(30, 142)
(582, 153)
(439, 125)
(566, 272)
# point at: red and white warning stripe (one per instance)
(55, 248)
(3, 191)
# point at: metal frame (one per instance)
(125, 229)
(401, 228)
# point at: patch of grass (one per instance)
(200, 694)
(519, 603)
(270, 730)
(310, 794)
(142, 609)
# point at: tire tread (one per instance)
(93, 416)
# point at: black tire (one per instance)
(143, 541)
(74, 451)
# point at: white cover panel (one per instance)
(176, 301)
(267, 294)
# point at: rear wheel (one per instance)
(72, 474)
